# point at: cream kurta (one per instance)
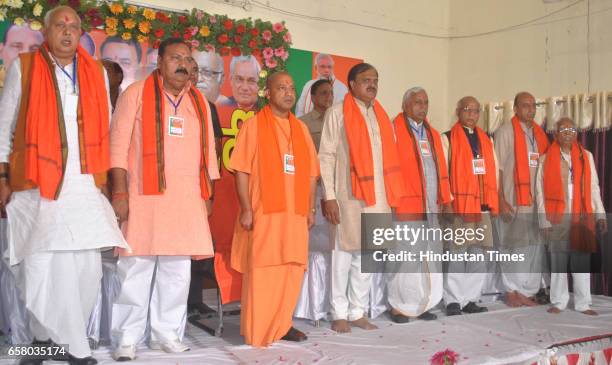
(559, 239)
(336, 176)
(175, 222)
(522, 230)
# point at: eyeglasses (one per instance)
(570, 130)
(470, 110)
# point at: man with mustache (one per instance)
(54, 158)
(163, 162)
(276, 173)
(361, 174)
(570, 211)
(518, 144)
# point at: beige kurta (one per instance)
(523, 229)
(336, 175)
(314, 122)
(559, 236)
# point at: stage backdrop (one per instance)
(230, 82)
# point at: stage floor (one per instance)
(501, 336)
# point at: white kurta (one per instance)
(48, 235)
(560, 255)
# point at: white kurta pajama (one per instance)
(350, 287)
(56, 243)
(415, 288)
(521, 235)
(559, 245)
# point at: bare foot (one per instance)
(526, 301)
(589, 312)
(341, 326)
(512, 300)
(554, 310)
(363, 323)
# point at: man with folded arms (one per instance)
(361, 173)
(276, 171)
(414, 288)
(163, 163)
(570, 211)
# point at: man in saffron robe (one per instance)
(163, 159)
(568, 198)
(518, 145)
(276, 170)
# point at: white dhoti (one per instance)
(154, 286)
(464, 280)
(415, 287)
(525, 276)
(60, 290)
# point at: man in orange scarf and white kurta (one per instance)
(163, 160)
(276, 173)
(54, 150)
(415, 287)
(361, 174)
(473, 176)
(570, 207)
(519, 144)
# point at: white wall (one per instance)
(402, 60)
(548, 58)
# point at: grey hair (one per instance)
(408, 94)
(321, 56)
(50, 13)
(240, 59)
(564, 119)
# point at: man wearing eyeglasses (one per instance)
(244, 76)
(570, 211)
(519, 143)
(210, 75)
(473, 174)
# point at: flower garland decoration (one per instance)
(205, 32)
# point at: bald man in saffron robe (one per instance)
(276, 170)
